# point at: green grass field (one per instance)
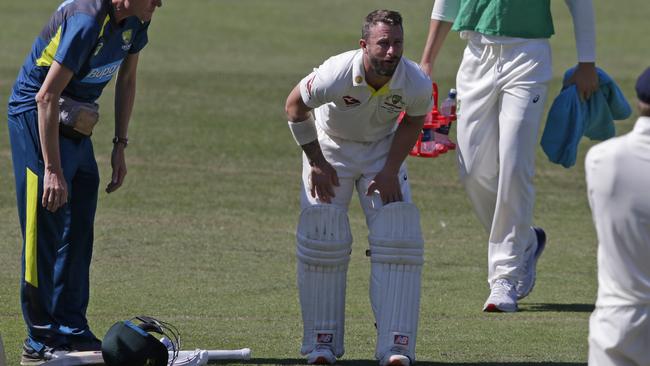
(202, 233)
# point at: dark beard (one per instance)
(379, 69)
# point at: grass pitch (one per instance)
(201, 234)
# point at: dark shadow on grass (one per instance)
(569, 308)
(346, 362)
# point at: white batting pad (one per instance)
(396, 255)
(324, 242)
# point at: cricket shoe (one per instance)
(82, 344)
(35, 353)
(526, 284)
(394, 358)
(503, 297)
(321, 355)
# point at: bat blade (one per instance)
(78, 359)
(196, 357)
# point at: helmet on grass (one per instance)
(131, 343)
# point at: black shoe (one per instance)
(35, 353)
(82, 344)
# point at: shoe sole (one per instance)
(32, 362)
(322, 360)
(540, 235)
(398, 363)
(395, 360)
(492, 308)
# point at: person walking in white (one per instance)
(502, 86)
(354, 141)
(618, 177)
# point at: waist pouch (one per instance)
(79, 117)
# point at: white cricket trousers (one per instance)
(503, 89)
(356, 165)
(620, 336)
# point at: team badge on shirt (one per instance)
(393, 103)
(126, 39)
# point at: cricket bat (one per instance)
(185, 358)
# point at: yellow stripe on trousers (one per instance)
(31, 269)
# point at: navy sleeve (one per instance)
(77, 39)
(141, 38)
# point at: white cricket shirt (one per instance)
(618, 177)
(348, 108)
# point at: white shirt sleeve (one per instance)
(422, 103)
(584, 28)
(445, 10)
(316, 87)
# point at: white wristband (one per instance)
(304, 132)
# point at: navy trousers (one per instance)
(57, 246)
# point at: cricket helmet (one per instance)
(131, 343)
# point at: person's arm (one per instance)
(438, 31)
(387, 181)
(124, 99)
(442, 18)
(301, 123)
(55, 188)
(585, 77)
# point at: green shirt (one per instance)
(508, 18)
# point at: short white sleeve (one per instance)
(316, 87)
(445, 10)
(422, 103)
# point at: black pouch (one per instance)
(76, 116)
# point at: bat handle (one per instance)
(235, 354)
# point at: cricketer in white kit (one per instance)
(618, 177)
(353, 140)
(502, 83)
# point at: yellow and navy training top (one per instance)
(83, 36)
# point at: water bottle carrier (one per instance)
(432, 121)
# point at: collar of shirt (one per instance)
(359, 73)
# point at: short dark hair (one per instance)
(380, 16)
(643, 86)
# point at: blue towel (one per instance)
(570, 118)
